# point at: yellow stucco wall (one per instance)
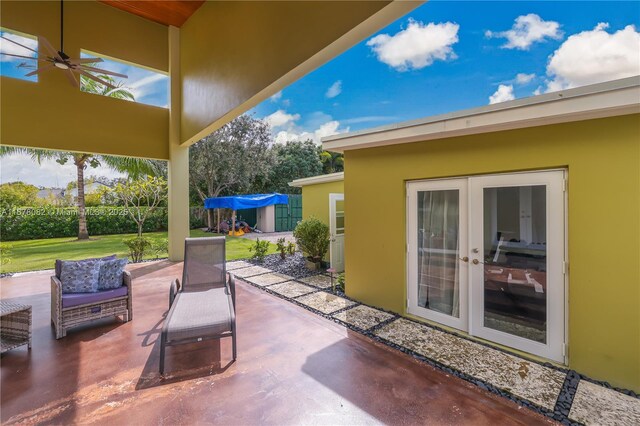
(53, 114)
(315, 200)
(603, 161)
(237, 53)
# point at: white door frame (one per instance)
(472, 275)
(555, 238)
(461, 322)
(333, 197)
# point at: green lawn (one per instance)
(33, 255)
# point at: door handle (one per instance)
(464, 259)
(475, 261)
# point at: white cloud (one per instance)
(523, 78)
(328, 128)
(20, 167)
(417, 46)
(144, 85)
(538, 91)
(276, 97)
(369, 119)
(14, 49)
(503, 94)
(334, 90)
(281, 118)
(594, 56)
(526, 30)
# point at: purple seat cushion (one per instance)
(76, 299)
(59, 263)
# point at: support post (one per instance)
(178, 158)
(233, 223)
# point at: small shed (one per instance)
(263, 204)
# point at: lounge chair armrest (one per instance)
(231, 286)
(173, 291)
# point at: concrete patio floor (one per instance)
(294, 367)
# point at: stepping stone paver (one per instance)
(527, 380)
(237, 264)
(320, 281)
(291, 289)
(325, 302)
(268, 279)
(250, 271)
(363, 317)
(596, 405)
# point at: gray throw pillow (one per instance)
(79, 276)
(111, 273)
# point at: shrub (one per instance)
(312, 237)
(6, 251)
(137, 246)
(31, 223)
(339, 283)
(291, 248)
(259, 249)
(282, 248)
(160, 247)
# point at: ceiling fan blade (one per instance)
(21, 56)
(93, 77)
(21, 45)
(98, 70)
(42, 68)
(84, 61)
(72, 78)
(52, 52)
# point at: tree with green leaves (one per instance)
(134, 167)
(332, 162)
(141, 197)
(292, 160)
(230, 160)
(17, 194)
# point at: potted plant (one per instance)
(312, 237)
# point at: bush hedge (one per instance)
(30, 223)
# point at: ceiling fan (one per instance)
(60, 60)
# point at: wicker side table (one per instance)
(15, 325)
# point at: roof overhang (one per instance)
(314, 180)
(612, 98)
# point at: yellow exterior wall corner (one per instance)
(602, 157)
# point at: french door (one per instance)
(486, 256)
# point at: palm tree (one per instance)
(134, 167)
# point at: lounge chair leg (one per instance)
(235, 352)
(162, 345)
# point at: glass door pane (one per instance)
(437, 275)
(438, 251)
(516, 255)
(515, 261)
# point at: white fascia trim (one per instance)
(314, 180)
(612, 98)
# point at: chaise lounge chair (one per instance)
(202, 307)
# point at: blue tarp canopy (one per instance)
(250, 201)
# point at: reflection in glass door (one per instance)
(517, 251)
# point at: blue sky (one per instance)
(442, 57)
(410, 77)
